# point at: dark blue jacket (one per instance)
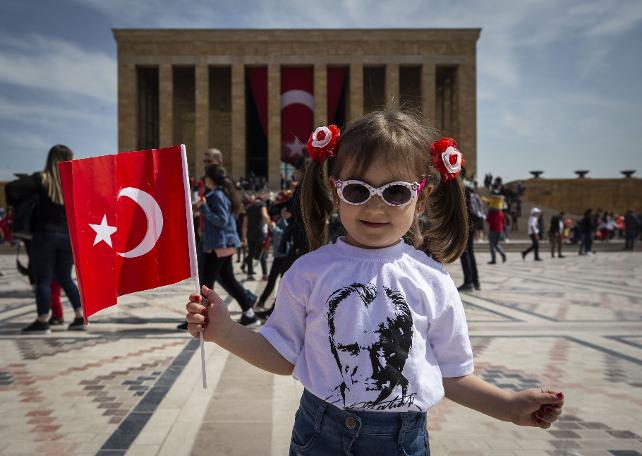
(220, 225)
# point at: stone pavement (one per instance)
(131, 384)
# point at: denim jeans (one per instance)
(468, 262)
(493, 242)
(322, 429)
(51, 256)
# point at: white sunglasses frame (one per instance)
(414, 187)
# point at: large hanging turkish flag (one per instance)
(297, 111)
(130, 223)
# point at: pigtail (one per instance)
(447, 232)
(316, 204)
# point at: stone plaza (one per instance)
(131, 384)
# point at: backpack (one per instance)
(22, 197)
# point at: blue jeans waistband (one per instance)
(375, 423)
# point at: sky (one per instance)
(558, 82)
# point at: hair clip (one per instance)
(446, 158)
(322, 143)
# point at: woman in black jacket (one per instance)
(51, 247)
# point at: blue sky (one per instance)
(559, 82)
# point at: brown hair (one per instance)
(399, 140)
(50, 176)
(219, 177)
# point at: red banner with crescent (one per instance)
(130, 223)
(297, 111)
(297, 104)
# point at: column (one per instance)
(392, 85)
(127, 108)
(356, 91)
(238, 162)
(202, 121)
(320, 95)
(165, 105)
(466, 114)
(274, 126)
(428, 92)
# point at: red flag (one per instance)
(130, 223)
(297, 111)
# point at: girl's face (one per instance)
(375, 224)
(209, 183)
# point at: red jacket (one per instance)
(495, 221)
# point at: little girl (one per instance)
(372, 325)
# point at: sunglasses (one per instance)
(397, 194)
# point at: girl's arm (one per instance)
(237, 339)
(531, 407)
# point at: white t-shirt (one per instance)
(371, 329)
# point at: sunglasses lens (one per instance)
(397, 195)
(356, 193)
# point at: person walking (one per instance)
(533, 233)
(556, 234)
(257, 221)
(495, 218)
(587, 228)
(468, 262)
(50, 249)
(220, 238)
(283, 259)
(631, 229)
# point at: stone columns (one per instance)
(165, 105)
(320, 96)
(274, 126)
(202, 121)
(467, 115)
(392, 85)
(356, 91)
(428, 92)
(127, 108)
(238, 156)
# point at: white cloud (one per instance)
(57, 66)
(54, 114)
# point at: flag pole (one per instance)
(192, 252)
(202, 343)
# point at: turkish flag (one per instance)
(130, 223)
(297, 111)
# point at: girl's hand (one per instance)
(536, 407)
(199, 202)
(210, 314)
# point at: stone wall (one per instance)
(236, 50)
(576, 195)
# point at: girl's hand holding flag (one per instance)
(209, 315)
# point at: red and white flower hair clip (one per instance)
(322, 143)
(446, 158)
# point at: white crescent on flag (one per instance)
(297, 97)
(154, 217)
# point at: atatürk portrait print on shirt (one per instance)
(370, 353)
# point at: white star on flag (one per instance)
(103, 231)
(296, 147)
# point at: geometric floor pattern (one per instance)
(131, 384)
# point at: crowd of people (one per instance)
(240, 218)
(496, 214)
